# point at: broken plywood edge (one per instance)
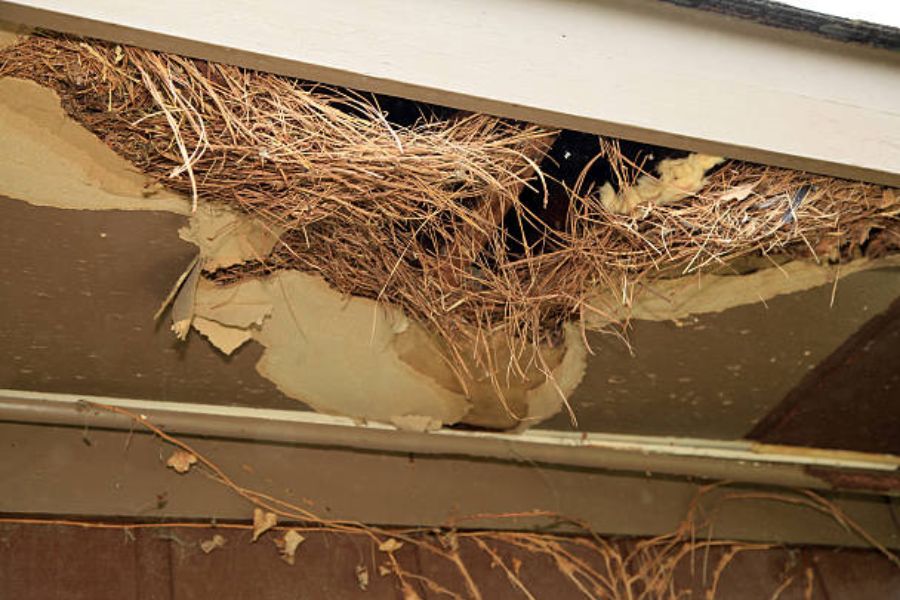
(47, 159)
(679, 298)
(224, 238)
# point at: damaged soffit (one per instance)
(341, 355)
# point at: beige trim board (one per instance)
(98, 473)
(710, 460)
(640, 69)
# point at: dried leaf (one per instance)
(384, 570)
(738, 192)
(181, 461)
(517, 566)
(362, 577)
(449, 541)
(216, 541)
(888, 198)
(262, 522)
(287, 545)
(390, 545)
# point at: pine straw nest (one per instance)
(414, 215)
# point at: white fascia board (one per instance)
(638, 69)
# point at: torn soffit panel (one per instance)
(226, 238)
(49, 160)
(336, 354)
(682, 297)
(355, 357)
(107, 280)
